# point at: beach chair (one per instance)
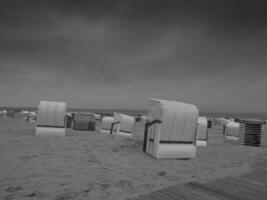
(51, 118)
(231, 131)
(69, 120)
(250, 132)
(123, 125)
(202, 131)
(107, 122)
(84, 121)
(171, 129)
(209, 123)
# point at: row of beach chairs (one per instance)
(172, 129)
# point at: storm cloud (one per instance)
(116, 54)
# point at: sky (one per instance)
(117, 54)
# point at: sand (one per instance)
(91, 165)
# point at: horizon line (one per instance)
(131, 109)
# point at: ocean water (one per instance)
(144, 112)
(235, 115)
(110, 111)
(208, 114)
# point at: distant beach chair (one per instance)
(250, 132)
(69, 120)
(202, 131)
(231, 131)
(171, 129)
(143, 118)
(97, 116)
(264, 126)
(123, 125)
(33, 117)
(209, 123)
(4, 113)
(84, 121)
(51, 118)
(107, 122)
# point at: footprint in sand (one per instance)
(92, 160)
(13, 188)
(87, 191)
(105, 186)
(125, 184)
(86, 150)
(115, 150)
(25, 157)
(34, 194)
(162, 173)
(9, 196)
(67, 195)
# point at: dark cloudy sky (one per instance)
(116, 54)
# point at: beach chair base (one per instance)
(52, 131)
(123, 134)
(178, 151)
(201, 143)
(231, 138)
(105, 131)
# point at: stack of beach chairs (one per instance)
(250, 132)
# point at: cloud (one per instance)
(118, 53)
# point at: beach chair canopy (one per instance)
(51, 114)
(179, 120)
(107, 122)
(25, 112)
(221, 121)
(170, 129)
(84, 117)
(97, 116)
(69, 114)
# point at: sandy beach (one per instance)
(176, 65)
(91, 165)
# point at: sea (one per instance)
(136, 112)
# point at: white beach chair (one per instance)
(231, 131)
(202, 131)
(51, 118)
(123, 125)
(107, 122)
(171, 130)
